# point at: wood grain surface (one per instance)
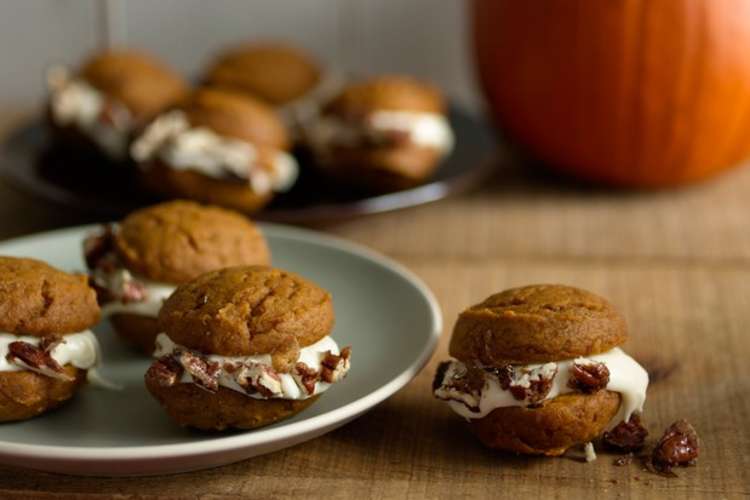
(676, 262)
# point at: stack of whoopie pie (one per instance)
(229, 141)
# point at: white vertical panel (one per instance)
(188, 32)
(427, 38)
(36, 33)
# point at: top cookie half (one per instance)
(537, 324)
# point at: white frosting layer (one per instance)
(182, 147)
(74, 102)
(311, 355)
(626, 377)
(301, 112)
(429, 130)
(78, 349)
(156, 294)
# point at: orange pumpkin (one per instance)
(639, 93)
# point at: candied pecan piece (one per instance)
(627, 436)
(48, 344)
(36, 359)
(103, 294)
(505, 376)
(97, 246)
(442, 369)
(133, 291)
(334, 366)
(306, 376)
(588, 377)
(528, 385)
(257, 378)
(458, 382)
(108, 113)
(166, 370)
(268, 382)
(623, 460)
(205, 373)
(678, 446)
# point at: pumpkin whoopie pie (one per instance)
(244, 347)
(274, 72)
(219, 147)
(284, 76)
(46, 347)
(538, 370)
(136, 264)
(110, 96)
(381, 134)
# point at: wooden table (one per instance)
(677, 263)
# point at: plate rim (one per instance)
(248, 439)
(430, 191)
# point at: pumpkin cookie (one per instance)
(136, 264)
(538, 370)
(217, 147)
(276, 73)
(46, 347)
(108, 98)
(285, 77)
(382, 134)
(244, 347)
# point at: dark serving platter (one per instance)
(29, 162)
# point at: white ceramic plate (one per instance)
(388, 316)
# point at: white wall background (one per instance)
(426, 38)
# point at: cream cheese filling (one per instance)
(78, 349)
(74, 102)
(626, 377)
(429, 130)
(284, 386)
(301, 112)
(155, 293)
(180, 146)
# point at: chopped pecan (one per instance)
(166, 370)
(528, 385)
(623, 460)
(458, 382)
(442, 369)
(205, 373)
(133, 291)
(97, 246)
(108, 113)
(48, 344)
(588, 377)
(35, 358)
(334, 366)
(268, 382)
(678, 446)
(306, 376)
(103, 294)
(626, 436)
(258, 378)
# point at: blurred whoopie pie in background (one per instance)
(217, 146)
(382, 134)
(112, 94)
(284, 76)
